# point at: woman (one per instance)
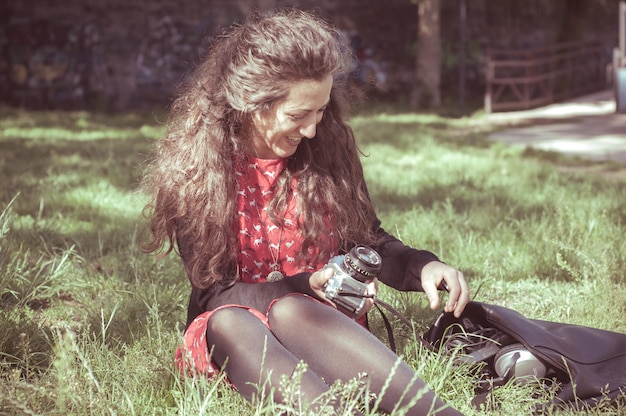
(258, 183)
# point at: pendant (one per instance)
(274, 276)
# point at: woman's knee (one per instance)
(285, 307)
(223, 321)
(293, 308)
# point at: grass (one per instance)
(90, 324)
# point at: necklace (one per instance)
(275, 275)
(258, 190)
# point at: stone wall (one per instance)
(109, 53)
(115, 54)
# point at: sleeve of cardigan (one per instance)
(401, 265)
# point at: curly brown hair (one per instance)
(191, 180)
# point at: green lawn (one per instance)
(89, 324)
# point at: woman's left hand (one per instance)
(372, 289)
(434, 275)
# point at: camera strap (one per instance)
(379, 304)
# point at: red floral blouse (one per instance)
(264, 245)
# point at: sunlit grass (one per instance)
(101, 197)
(89, 323)
(76, 126)
(56, 134)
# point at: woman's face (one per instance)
(279, 131)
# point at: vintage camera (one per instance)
(353, 272)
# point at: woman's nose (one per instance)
(309, 130)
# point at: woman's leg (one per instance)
(254, 357)
(337, 348)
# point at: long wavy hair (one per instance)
(191, 179)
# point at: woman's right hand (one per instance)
(317, 281)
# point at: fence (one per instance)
(524, 79)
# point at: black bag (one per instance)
(588, 364)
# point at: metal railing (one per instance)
(525, 79)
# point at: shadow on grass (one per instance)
(25, 345)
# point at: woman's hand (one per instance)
(434, 275)
(318, 279)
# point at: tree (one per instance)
(426, 89)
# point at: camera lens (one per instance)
(362, 263)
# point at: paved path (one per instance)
(587, 127)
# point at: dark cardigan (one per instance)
(401, 269)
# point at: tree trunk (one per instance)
(573, 15)
(426, 90)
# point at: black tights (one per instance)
(333, 346)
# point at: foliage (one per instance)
(90, 324)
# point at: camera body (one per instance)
(353, 272)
